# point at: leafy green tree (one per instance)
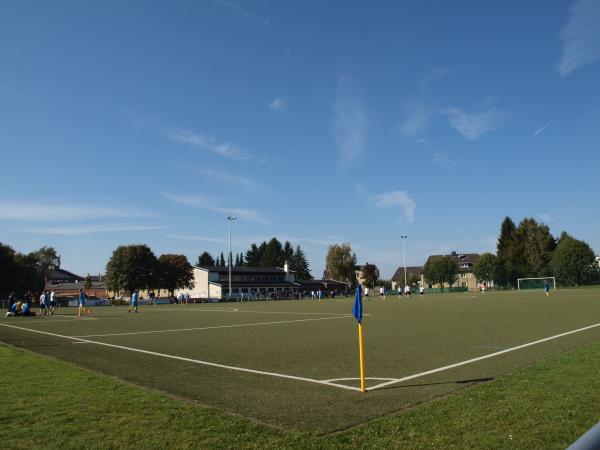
(485, 269)
(299, 264)
(273, 254)
(370, 274)
(205, 259)
(340, 263)
(222, 260)
(175, 272)
(573, 261)
(30, 276)
(439, 270)
(9, 271)
(535, 244)
(253, 256)
(131, 267)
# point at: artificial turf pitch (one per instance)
(273, 342)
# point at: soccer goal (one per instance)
(535, 283)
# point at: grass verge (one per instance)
(51, 404)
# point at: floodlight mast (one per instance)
(230, 219)
(404, 253)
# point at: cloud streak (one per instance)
(441, 160)
(349, 123)
(77, 230)
(227, 178)
(48, 212)
(278, 104)
(580, 36)
(397, 200)
(474, 125)
(542, 128)
(199, 202)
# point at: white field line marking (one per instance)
(73, 317)
(480, 358)
(195, 361)
(210, 328)
(261, 312)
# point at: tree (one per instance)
(131, 267)
(485, 269)
(573, 261)
(205, 259)
(237, 260)
(507, 261)
(242, 262)
(340, 263)
(222, 260)
(175, 272)
(288, 252)
(253, 256)
(88, 282)
(9, 270)
(370, 274)
(299, 264)
(535, 243)
(273, 254)
(440, 270)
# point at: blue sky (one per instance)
(316, 122)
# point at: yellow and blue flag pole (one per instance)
(357, 312)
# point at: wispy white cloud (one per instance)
(545, 217)
(229, 179)
(196, 201)
(349, 123)
(431, 77)
(278, 104)
(76, 230)
(474, 125)
(207, 142)
(189, 137)
(416, 119)
(580, 36)
(542, 128)
(48, 212)
(397, 199)
(6, 89)
(197, 238)
(442, 160)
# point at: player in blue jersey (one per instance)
(134, 301)
(82, 302)
(546, 287)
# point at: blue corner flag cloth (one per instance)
(357, 308)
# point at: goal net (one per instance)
(535, 283)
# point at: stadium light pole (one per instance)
(230, 219)
(404, 252)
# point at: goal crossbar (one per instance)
(550, 279)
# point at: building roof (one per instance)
(399, 274)
(461, 259)
(62, 274)
(243, 270)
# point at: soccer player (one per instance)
(42, 309)
(134, 301)
(82, 303)
(546, 287)
(421, 291)
(52, 302)
(47, 302)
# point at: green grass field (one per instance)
(294, 364)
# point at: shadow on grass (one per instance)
(472, 381)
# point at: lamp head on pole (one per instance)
(231, 217)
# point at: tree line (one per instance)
(266, 254)
(22, 272)
(530, 250)
(133, 267)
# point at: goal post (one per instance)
(535, 283)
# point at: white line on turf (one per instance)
(480, 358)
(260, 312)
(195, 361)
(211, 328)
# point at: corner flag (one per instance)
(357, 312)
(357, 308)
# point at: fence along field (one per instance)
(295, 363)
